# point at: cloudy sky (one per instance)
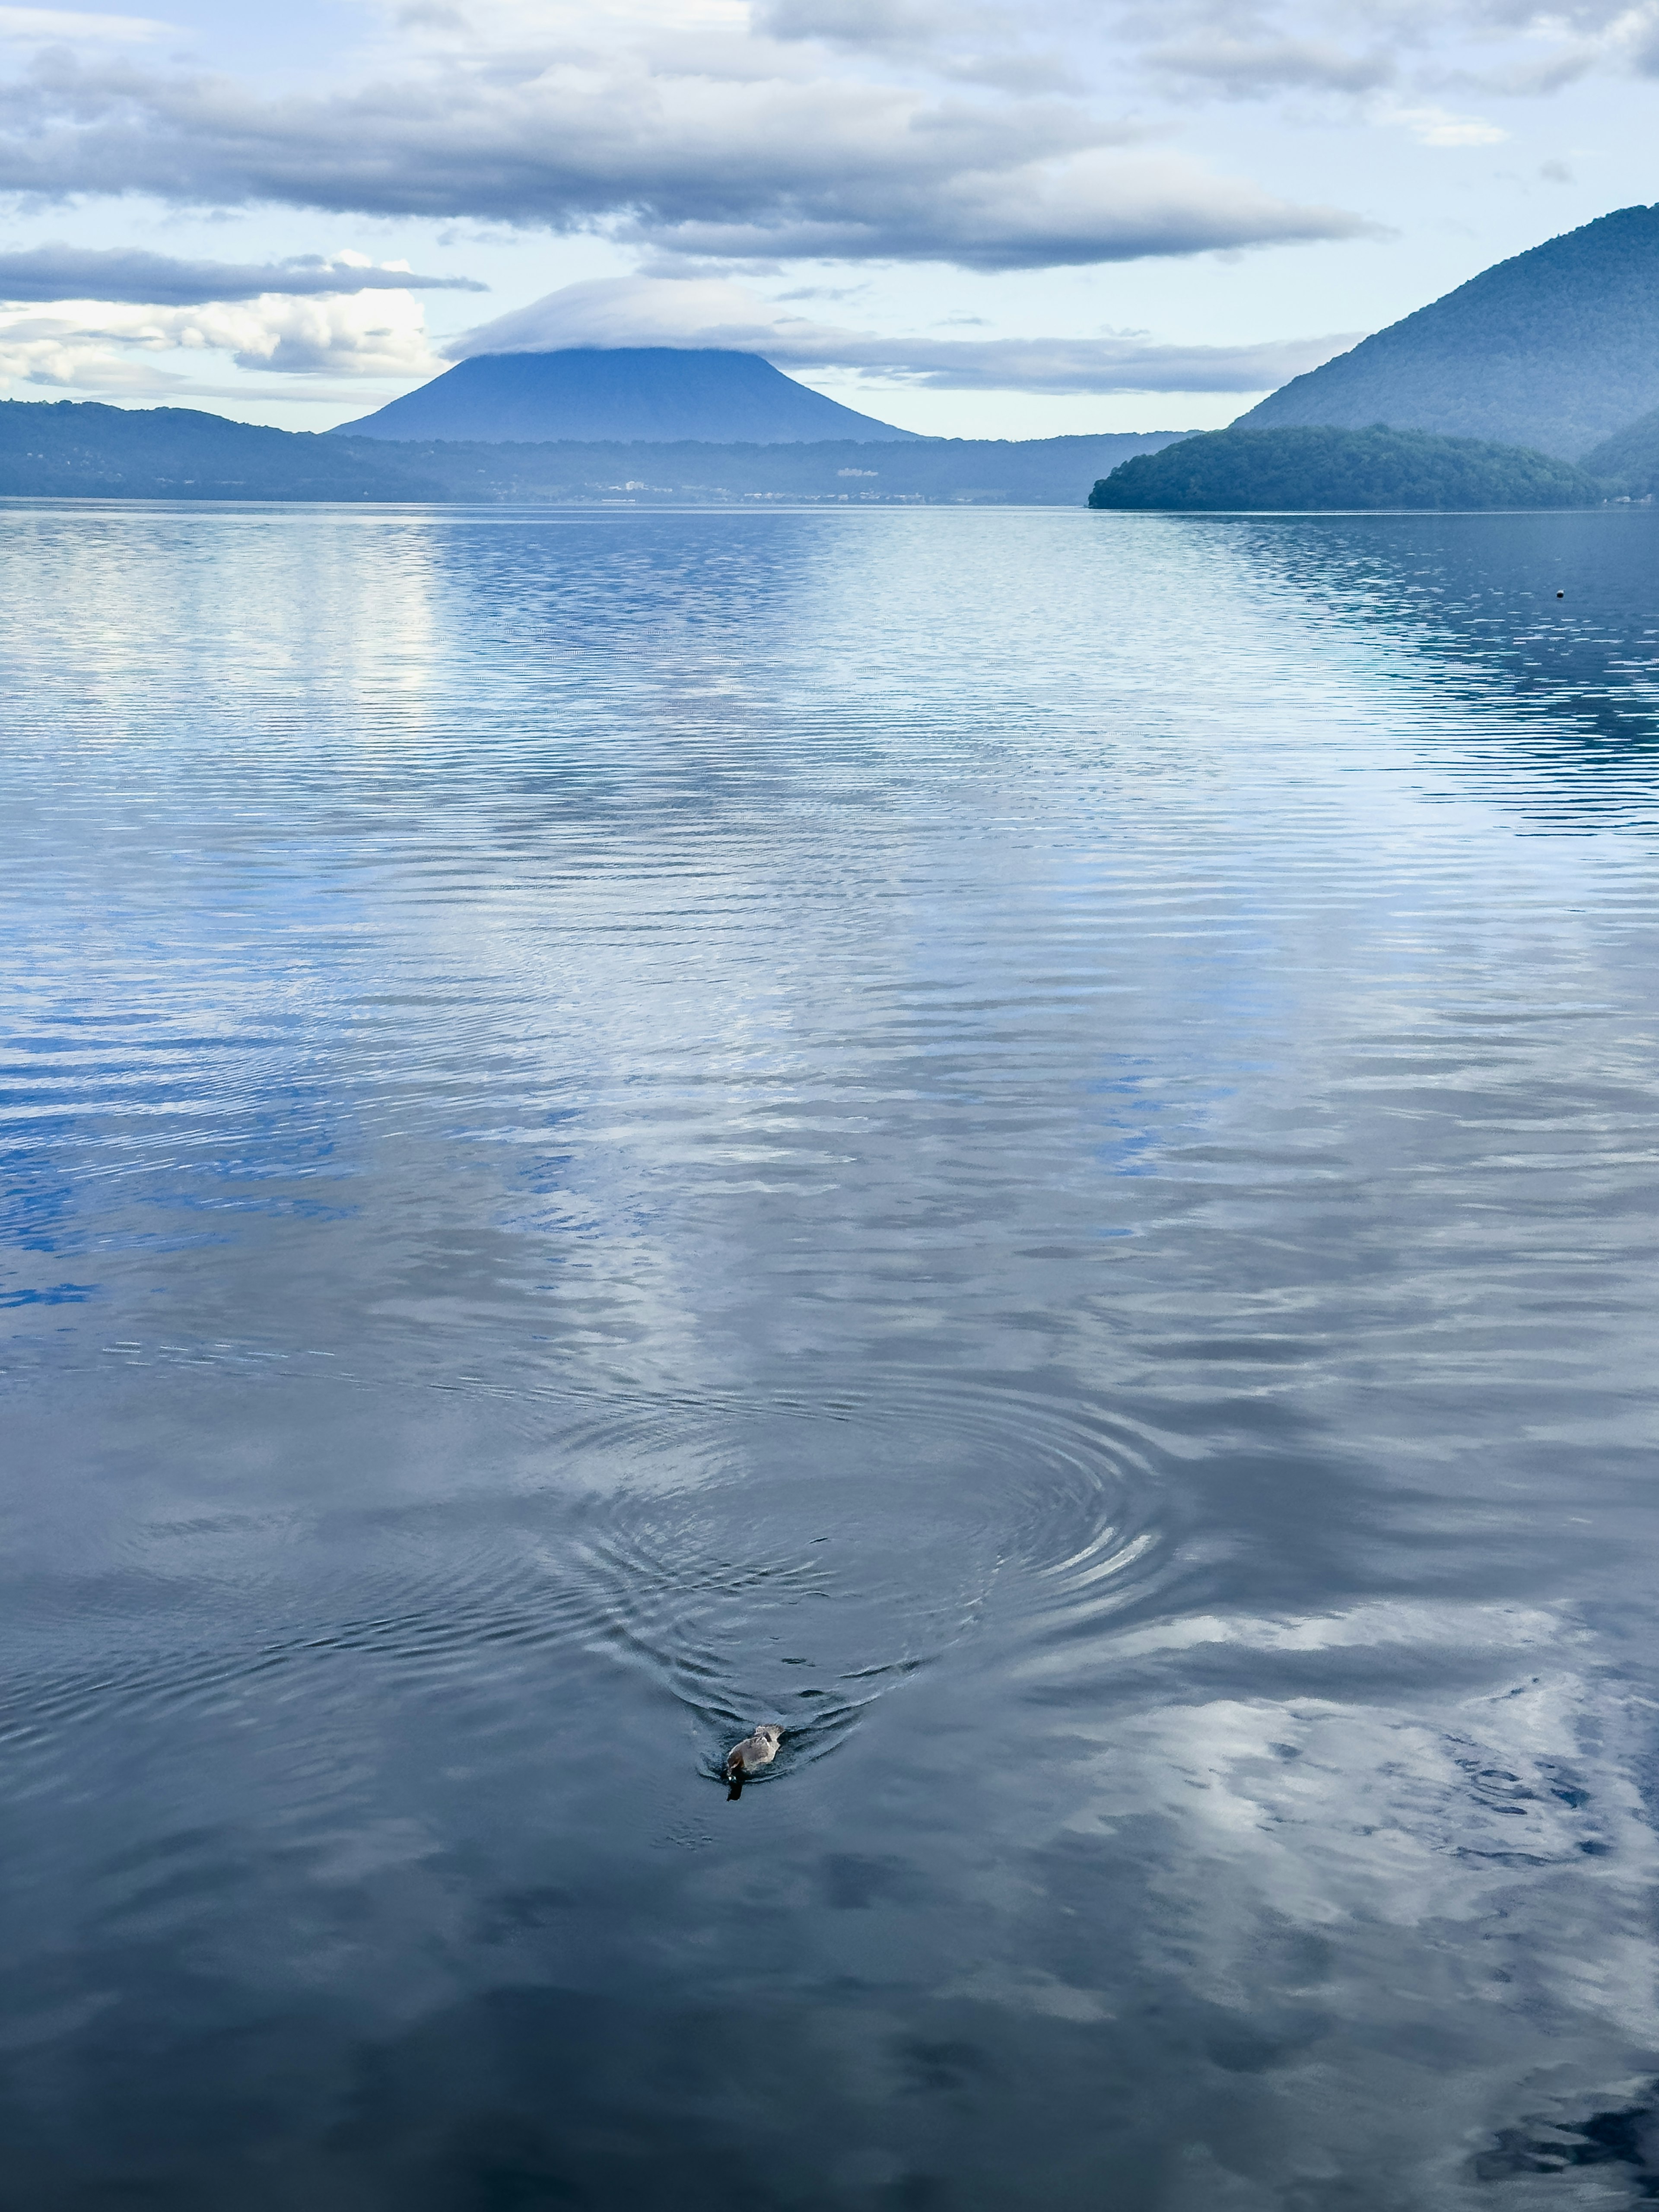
(964, 217)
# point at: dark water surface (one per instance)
(1025, 1141)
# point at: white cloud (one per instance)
(965, 43)
(104, 347)
(57, 25)
(1201, 50)
(741, 166)
(71, 272)
(717, 312)
(1244, 68)
(1436, 126)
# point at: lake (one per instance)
(1023, 1141)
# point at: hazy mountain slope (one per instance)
(1311, 467)
(1555, 349)
(588, 392)
(1628, 460)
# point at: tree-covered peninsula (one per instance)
(1315, 466)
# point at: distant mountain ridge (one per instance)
(588, 393)
(1555, 349)
(926, 471)
(82, 449)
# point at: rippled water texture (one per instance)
(1022, 1141)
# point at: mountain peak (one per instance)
(1554, 348)
(655, 393)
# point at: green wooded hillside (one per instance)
(1315, 467)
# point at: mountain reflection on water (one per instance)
(1022, 1141)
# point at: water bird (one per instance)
(759, 1749)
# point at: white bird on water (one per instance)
(759, 1749)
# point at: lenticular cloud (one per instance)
(696, 312)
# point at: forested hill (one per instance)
(1312, 468)
(1556, 350)
(79, 449)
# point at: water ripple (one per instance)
(1024, 1142)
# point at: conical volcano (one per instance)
(659, 393)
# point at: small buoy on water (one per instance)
(1560, 595)
(759, 1749)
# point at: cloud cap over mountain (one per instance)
(694, 313)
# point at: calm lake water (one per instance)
(1023, 1141)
